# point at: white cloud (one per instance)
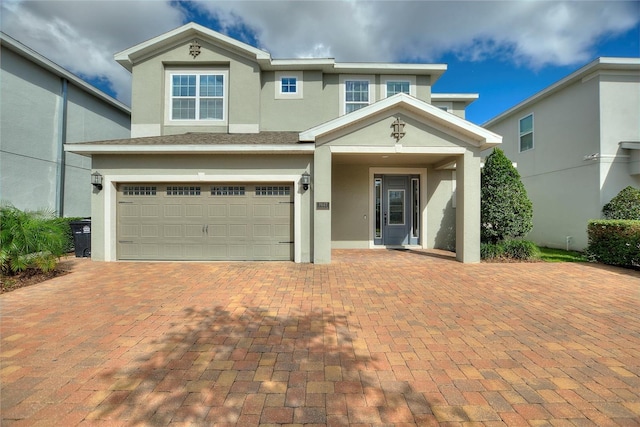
(83, 35)
(533, 33)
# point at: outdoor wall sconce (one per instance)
(305, 181)
(96, 180)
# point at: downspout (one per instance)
(62, 139)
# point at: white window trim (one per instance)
(520, 134)
(388, 78)
(198, 72)
(288, 95)
(351, 77)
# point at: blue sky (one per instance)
(505, 51)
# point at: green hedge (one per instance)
(614, 242)
(512, 249)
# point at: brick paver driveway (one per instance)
(378, 337)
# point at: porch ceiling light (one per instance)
(96, 180)
(305, 180)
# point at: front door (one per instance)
(397, 210)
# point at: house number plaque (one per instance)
(322, 206)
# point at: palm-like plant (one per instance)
(30, 239)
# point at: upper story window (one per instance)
(394, 87)
(391, 85)
(356, 92)
(356, 95)
(288, 84)
(198, 96)
(526, 133)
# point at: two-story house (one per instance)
(576, 144)
(44, 106)
(236, 155)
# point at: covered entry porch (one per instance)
(398, 173)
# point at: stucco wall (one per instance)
(350, 206)
(620, 121)
(319, 103)
(441, 215)
(31, 135)
(563, 187)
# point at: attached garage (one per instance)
(204, 221)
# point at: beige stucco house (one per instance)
(42, 107)
(236, 155)
(576, 145)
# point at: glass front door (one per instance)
(397, 210)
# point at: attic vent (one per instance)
(194, 49)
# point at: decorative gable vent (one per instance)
(194, 49)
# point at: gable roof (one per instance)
(38, 59)
(127, 57)
(602, 63)
(483, 138)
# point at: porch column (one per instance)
(468, 207)
(322, 194)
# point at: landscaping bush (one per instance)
(505, 208)
(30, 239)
(512, 249)
(626, 205)
(614, 242)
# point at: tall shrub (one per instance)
(30, 239)
(625, 205)
(505, 208)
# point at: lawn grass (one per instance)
(560, 255)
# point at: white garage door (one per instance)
(205, 221)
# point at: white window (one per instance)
(394, 87)
(197, 96)
(288, 85)
(526, 133)
(391, 85)
(356, 95)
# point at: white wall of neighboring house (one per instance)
(576, 164)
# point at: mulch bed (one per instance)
(31, 277)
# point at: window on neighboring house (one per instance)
(356, 95)
(197, 96)
(443, 107)
(394, 87)
(289, 85)
(526, 133)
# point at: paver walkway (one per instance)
(376, 338)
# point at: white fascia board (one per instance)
(395, 149)
(33, 56)
(323, 64)
(602, 63)
(89, 149)
(125, 58)
(483, 137)
(467, 98)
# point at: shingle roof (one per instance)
(197, 138)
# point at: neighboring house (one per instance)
(235, 155)
(43, 107)
(576, 145)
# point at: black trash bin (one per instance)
(81, 237)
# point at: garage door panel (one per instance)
(150, 211)
(196, 211)
(194, 222)
(238, 210)
(149, 231)
(238, 231)
(172, 231)
(174, 210)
